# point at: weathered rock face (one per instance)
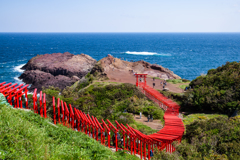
(65, 64)
(57, 69)
(114, 68)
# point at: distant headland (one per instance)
(64, 69)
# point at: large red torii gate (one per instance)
(141, 75)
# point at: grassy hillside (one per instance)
(25, 135)
(218, 91)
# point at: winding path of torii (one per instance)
(132, 140)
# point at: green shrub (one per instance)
(218, 91)
(215, 138)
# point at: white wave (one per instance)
(18, 68)
(147, 53)
(19, 81)
(21, 60)
(141, 53)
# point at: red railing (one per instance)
(124, 138)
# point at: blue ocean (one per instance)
(186, 54)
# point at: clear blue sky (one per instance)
(119, 15)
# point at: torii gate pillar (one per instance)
(136, 79)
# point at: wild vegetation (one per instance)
(175, 81)
(209, 139)
(25, 135)
(210, 136)
(218, 91)
(214, 138)
(113, 101)
(207, 136)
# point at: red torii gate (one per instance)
(141, 75)
(173, 129)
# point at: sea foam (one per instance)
(19, 81)
(18, 68)
(147, 53)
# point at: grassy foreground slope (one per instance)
(25, 135)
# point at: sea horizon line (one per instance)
(132, 32)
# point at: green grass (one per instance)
(183, 86)
(154, 77)
(101, 84)
(193, 117)
(157, 78)
(174, 81)
(25, 135)
(143, 128)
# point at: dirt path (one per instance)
(155, 124)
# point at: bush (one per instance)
(211, 139)
(218, 91)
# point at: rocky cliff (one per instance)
(117, 69)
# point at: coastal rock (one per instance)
(38, 79)
(114, 68)
(35, 76)
(57, 69)
(66, 64)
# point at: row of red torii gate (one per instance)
(123, 137)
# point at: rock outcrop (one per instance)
(61, 70)
(57, 69)
(116, 69)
